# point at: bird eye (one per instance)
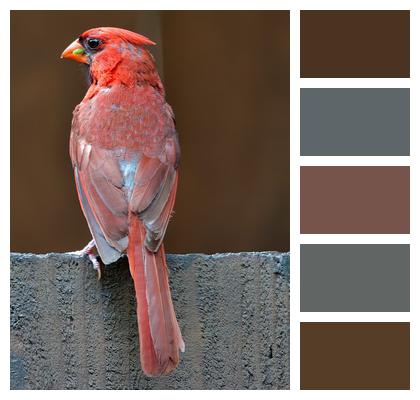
(93, 43)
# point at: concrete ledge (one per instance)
(71, 331)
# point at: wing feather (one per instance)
(108, 253)
(100, 188)
(153, 198)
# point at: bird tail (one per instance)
(159, 333)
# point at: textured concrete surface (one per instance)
(71, 331)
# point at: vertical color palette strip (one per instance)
(355, 44)
(355, 278)
(355, 355)
(355, 200)
(355, 122)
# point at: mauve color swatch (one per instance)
(355, 355)
(358, 200)
(355, 44)
(355, 122)
(355, 278)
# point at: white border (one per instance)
(296, 161)
(294, 199)
(354, 160)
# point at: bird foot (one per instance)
(93, 257)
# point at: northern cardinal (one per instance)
(125, 153)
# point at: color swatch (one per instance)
(355, 355)
(338, 118)
(355, 200)
(355, 277)
(355, 44)
(355, 122)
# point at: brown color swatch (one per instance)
(355, 200)
(355, 44)
(355, 355)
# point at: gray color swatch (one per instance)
(355, 122)
(351, 278)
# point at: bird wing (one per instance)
(154, 191)
(112, 183)
(100, 186)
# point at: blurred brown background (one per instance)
(227, 77)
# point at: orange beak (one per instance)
(75, 52)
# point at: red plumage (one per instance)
(125, 154)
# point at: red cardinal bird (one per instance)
(125, 155)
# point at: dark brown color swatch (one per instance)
(355, 355)
(355, 200)
(355, 44)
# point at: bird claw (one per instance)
(96, 264)
(87, 251)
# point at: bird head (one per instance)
(102, 41)
(114, 54)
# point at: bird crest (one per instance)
(110, 32)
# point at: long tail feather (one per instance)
(159, 333)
